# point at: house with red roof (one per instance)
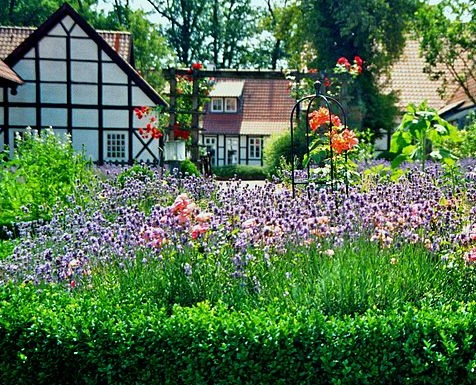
(79, 81)
(414, 85)
(460, 105)
(242, 114)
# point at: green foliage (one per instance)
(466, 148)
(44, 170)
(187, 167)
(447, 35)
(151, 51)
(278, 148)
(50, 336)
(422, 134)
(6, 248)
(337, 280)
(240, 171)
(136, 172)
(375, 31)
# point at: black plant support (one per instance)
(318, 99)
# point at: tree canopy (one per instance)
(448, 42)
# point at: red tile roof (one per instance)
(412, 84)
(460, 97)
(266, 107)
(8, 76)
(12, 37)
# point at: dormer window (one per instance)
(230, 105)
(217, 105)
(224, 105)
(225, 96)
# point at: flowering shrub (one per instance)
(234, 224)
(153, 128)
(343, 66)
(158, 120)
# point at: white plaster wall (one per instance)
(84, 72)
(242, 152)
(1, 95)
(78, 31)
(22, 117)
(26, 69)
(53, 70)
(25, 93)
(87, 139)
(58, 30)
(85, 118)
(1, 118)
(116, 118)
(53, 93)
(105, 57)
(114, 95)
(84, 94)
(54, 117)
(68, 22)
(30, 54)
(52, 48)
(253, 162)
(139, 98)
(84, 49)
(112, 73)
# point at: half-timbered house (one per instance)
(78, 81)
(242, 114)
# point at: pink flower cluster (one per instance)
(185, 213)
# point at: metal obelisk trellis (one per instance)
(321, 100)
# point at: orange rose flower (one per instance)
(320, 117)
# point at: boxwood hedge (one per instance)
(51, 336)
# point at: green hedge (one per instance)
(240, 171)
(51, 336)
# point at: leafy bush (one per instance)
(279, 148)
(187, 167)
(466, 148)
(136, 172)
(49, 336)
(44, 170)
(423, 135)
(239, 171)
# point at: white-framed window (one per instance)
(230, 105)
(211, 144)
(224, 105)
(116, 146)
(217, 105)
(255, 147)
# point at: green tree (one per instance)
(231, 26)
(372, 29)
(184, 26)
(28, 13)
(150, 49)
(218, 31)
(448, 42)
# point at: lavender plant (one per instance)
(198, 240)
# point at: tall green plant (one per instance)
(423, 135)
(44, 170)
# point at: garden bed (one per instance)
(147, 278)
